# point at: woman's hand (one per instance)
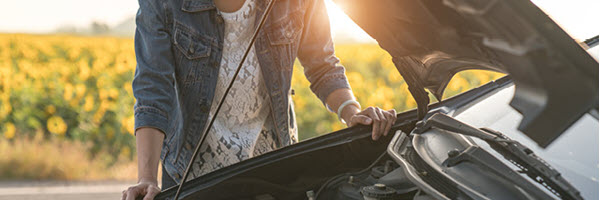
(381, 120)
(145, 188)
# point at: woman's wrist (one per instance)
(343, 103)
(349, 111)
(147, 172)
(153, 180)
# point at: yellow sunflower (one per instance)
(9, 131)
(57, 125)
(50, 109)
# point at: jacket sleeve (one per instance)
(316, 53)
(153, 82)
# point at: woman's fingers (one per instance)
(152, 191)
(372, 113)
(391, 119)
(360, 119)
(146, 190)
(131, 193)
(382, 123)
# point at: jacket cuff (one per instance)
(334, 82)
(146, 116)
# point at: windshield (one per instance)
(574, 154)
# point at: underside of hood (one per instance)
(431, 40)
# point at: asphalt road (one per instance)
(32, 190)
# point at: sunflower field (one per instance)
(78, 88)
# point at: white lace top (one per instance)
(240, 131)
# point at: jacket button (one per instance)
(191, 50)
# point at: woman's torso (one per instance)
(198, 33)
(242, 120)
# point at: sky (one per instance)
(43, 16)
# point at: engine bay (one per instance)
(382, 180)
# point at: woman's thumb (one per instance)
(362, 119)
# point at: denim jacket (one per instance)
(178, 46)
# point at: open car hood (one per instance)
(430, 41)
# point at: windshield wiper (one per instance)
(515, 152)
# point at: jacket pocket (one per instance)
(191, 44)
(284, 30)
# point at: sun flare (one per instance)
(343, 29)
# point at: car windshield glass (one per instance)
(521, 156)
(574, 154)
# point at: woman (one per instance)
(187, 52)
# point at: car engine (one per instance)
(384, 180)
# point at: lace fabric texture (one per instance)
(241, 129)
